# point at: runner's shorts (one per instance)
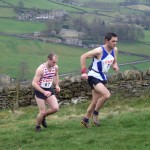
(94, 81)
(41, 95)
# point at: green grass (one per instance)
(3, 4)
(7, 12)
(107, 1)
(137, 47)
(124, 125)
(147, 37)
(102, 1)
(15, 51)
(45, 4)
(142, 66)
(13, 26)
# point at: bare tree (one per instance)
(127, 32)
(80, 24)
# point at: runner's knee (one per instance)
(42, 112)
(106, 96)
(56, 108)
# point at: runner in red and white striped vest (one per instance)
(45, 78)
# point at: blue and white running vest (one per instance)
(101, 66)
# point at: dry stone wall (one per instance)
(131, 83)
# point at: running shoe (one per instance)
(38, 128)
(85, 124)
(44, 122)
(95, 120)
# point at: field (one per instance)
(140, 7)
(124, 125)
(124, 122)
(7, 12)
(14, 26)
(102, 1)
(33, 53)
(17, 51)
(45, 4)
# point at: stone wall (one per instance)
(4, 79)
(131, 83)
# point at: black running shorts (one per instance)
(41, 95)
(94, 81)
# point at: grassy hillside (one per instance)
(14, 26)
(124, 125)
(147, 37)
(45, 4)
(7, 12)
(124, 122)
(15, 52)
(102, 1)
(139, 48)
(107, 1)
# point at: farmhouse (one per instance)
(72, 37)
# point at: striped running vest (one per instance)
(46, 80)
(100, 67)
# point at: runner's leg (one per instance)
(105, 95)
(54, 106)
(42, 108)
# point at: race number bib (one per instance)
(46, 83)
(106, 68)
(107, 64)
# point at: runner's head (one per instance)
(111, 40)
(52, 59)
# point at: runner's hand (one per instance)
(57, 88)
(47, 93)
(116, 68)
(84, 76)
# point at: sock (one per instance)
(86, 120)
(95, 112)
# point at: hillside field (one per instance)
(16, 52)
(124, 125)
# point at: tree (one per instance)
(20, 5)
(80, 24)
(54, 25)
(126, 32)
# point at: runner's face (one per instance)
(112, 42)
(52, 62)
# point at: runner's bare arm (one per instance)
(36, 79)
(95, 52)
(115, 65)
(56, 80)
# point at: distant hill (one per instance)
(19, 57)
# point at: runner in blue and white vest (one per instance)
(104, 57)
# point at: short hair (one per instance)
(109, 35)
(51, 55)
